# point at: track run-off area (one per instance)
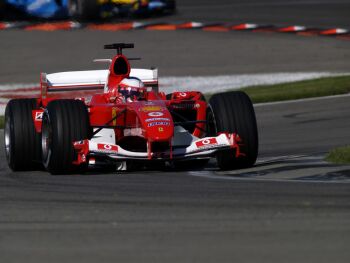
(291, 207)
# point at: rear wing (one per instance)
(81, 83)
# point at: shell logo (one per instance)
(155, 114)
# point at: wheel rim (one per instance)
(46, 140)
(7, 134)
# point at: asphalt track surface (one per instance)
(191, 216)
(179, 53)
(317, 13)
(25, 54)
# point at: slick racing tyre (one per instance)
(22, 142)
(64, 121)
(83, 9)
(233, 112)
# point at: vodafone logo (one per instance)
(107, 147)
(155, 114)
(183, 94)
(206, 142)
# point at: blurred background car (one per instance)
(86, 9)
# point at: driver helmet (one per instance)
(131, 89)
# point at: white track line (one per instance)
(213, 84)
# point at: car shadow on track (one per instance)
(305, 168)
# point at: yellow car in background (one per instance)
(83, 9)
(90, 9)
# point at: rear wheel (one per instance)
(64, 122)
(22, 142)
(233, 112)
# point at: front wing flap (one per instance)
(204, 147)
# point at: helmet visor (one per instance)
(129, 92)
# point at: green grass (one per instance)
(2, 119)
(339, 155)
(298, 90)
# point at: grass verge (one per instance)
(339, 155)
(299, 90)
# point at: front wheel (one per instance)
(64, 122)
(233, 112)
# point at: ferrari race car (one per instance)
(91, 9)
(82, 120)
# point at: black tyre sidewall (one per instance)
(67, 121)
(25, 151)
(234, 113)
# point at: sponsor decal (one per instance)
(114, 115)
(184, 106)
(87, 99)
(151, 108)
(155, 114)
(157, 119)
(160, 129)
(39, 116)
(107, 147)
(158, 123)
(183, 94)
(78, 143)
(206, 142)
(133, 132)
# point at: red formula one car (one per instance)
(118, 117)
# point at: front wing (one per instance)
(204, 147)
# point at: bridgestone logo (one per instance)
(157, 119)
